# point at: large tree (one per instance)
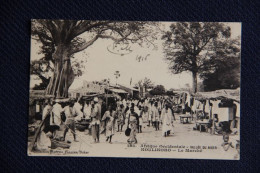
(189, 45)
(225, 74)
(66, 37)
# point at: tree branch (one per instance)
(84, 46)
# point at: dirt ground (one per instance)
(184, 143)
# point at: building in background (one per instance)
(88, 88)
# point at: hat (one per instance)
(95, 99)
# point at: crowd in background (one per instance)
(60, 115)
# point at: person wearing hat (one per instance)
(95, 123)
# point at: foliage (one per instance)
(158, 90)
(190, 46)
(61, 39)
(146, 83)
(226, 72)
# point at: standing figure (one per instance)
(167, 121)
(120, 117)
(133, 122)
(78, 109)
(96, 117)
(127, 112)
(156, 116)
(150, 113)
(43, 140)
(140, 119)
(70, 114)
(55, 119)
(87, 110)
(109, 118)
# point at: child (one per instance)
(226, 144)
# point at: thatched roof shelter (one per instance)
(233, 94)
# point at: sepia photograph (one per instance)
(135, 89)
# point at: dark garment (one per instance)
(126, 109)
(47, 124)
(98, 113)
(95, 132)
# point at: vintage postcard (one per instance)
(137, 89)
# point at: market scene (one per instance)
(126, 101)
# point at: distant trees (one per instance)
(158, 90)
(195, 47)
(146, 83)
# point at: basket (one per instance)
(127, 132)
(81, 128)
(61, 144)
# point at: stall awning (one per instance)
(120, 91)
(224, 93)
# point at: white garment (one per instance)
(43, 142)
(37, 108)
(207, 107)
(188, 99)
(46, 110)
(67, 112)
(77, 111)
(87, 111)
(56, 115)
(150, 112)
(141, 118)
(146, 102)
(167, 120)
(136, 109)
(155, 114)
(124, 102)
(238, 109)
(159, 106)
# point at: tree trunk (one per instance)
(194, 82)
(63, 75)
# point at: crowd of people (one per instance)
(59, 116)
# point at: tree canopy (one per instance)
(191, 46)
(158, 90)
(226, 71)
(61, 39)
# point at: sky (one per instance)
(101, 64)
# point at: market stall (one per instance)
(222, 106)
